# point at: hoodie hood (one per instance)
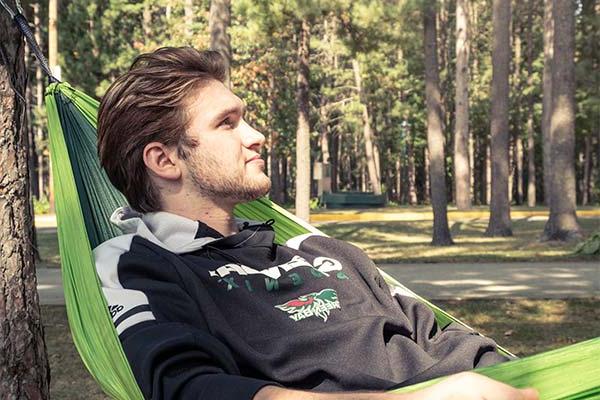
(183, 235)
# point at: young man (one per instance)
(209, 307)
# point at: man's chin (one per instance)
(257, 189)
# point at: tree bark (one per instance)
(276, 193)
(547, 98)
(488, 174)
(427, 191)
(462, 166)
(218, 22)
(517, 106)
(55, 68)
(435, 135)
(367, 132)
(412, 188)
(303, 130)
(519, 161)
(335, 162)
(398, 181)
(562, 223)
(325, 178)
(24, 369)
(587, 163)
(499, 223)
(39, 100)
(531, 178)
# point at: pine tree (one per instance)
(435, 135)
(499, 223)
(562, 223)
(24, 369)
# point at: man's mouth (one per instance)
(256, 157)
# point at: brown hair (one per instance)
(148, 104)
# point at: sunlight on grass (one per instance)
(409, 241)
(530, 326)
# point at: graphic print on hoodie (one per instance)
(200, 315)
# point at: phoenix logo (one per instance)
(317, 304)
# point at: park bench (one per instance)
(353, 200)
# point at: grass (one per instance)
(525, 327)
(47, 246)
(408, 241)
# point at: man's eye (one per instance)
(226, 123)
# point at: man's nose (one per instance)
(251, 138)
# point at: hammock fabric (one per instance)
(84, 201)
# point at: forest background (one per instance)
(338, 87)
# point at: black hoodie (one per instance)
(202, 316)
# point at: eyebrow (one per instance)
(240, 109)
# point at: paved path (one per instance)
(451, 281)
(492, 280)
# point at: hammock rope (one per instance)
(19, 19)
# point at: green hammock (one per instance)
(84, 201)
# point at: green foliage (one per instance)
(41, 206)
(99, 39)
(591, 246)
(314, 203)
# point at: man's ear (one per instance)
(162, 160)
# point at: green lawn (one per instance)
(47, 245)
(408, 241)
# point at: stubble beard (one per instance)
(229, 183)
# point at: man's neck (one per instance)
(217, 216)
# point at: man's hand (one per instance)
(463, 386)
(472, 386)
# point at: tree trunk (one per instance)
(488, 174)
(367, 132)
(325, 178)
(285, 168)
(427, 191)
(587, 163)
(435, 135)
(276, 184)
(547, 97)
(188, 12)
(335, 162)
(472, 166)
(518, 87)
(562, 223)
(39, 100)
(398, 181)
(168, 9)
(24, 368)
(55, 68)
(519, 159)
(218, 22)
(147, 22)
(499, 223)
(303, 130)
(412, 188)
(531, 179)
(511, 168)
(462, 166)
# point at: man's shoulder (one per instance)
(110, 250)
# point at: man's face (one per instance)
(226, 164)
